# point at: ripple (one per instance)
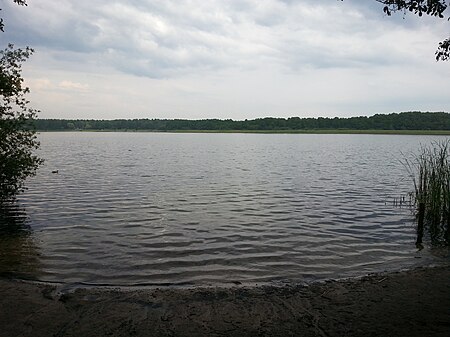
(213, 209)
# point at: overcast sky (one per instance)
(227, 59)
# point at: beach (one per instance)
(404, 303)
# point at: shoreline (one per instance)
(295, 132)
(414, 302)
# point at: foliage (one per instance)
(419, 7)
(434, 8)
(443, 51)
(19, 2)
(430, 172)
(394, 121)
(17, 135)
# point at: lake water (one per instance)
(211, 209)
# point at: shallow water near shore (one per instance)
(129, 209)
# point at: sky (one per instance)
(238, 59)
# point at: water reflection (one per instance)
(151, 209)
(19, 255)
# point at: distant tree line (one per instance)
(393, 121)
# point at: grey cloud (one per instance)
(161, 38)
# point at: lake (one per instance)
(146, 209)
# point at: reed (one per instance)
(430, 172)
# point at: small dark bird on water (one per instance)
(55, 171)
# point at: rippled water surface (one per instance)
(157, 208)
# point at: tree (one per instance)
(17, 135)
(434, 8)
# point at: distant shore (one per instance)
(407, 303)
(397, 123)
(318, 131)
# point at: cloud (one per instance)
(39, 84)
(69, 85)
(167, 38)
(197, 54)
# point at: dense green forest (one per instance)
(395, 121)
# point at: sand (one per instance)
(408, 303)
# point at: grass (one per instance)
(430, 172)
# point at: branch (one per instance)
(20, 3)
(443, 51)
(419, 7)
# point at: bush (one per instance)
(17, 136)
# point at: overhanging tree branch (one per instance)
(419, 7)
(19, 2)
(443, 51)
(434, 8)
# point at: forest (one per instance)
(413, 120)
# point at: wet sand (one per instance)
(409, 303)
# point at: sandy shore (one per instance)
(411, 303)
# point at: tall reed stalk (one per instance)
(430, 172)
